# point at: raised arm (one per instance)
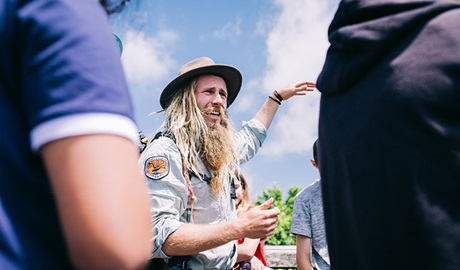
(102, 202)
(267, 112)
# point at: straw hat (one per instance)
(200, 66)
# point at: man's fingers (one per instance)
(266, 204)
(272, 213)
(307, 83)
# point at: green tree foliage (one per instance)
(282, 236)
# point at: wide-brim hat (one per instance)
(200, 66)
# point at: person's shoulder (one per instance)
(314, 186)
(308, 191)
(160, 145)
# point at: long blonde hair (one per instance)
(245, 202)
(185, 123)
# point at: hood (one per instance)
(363, 33)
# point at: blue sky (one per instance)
(272, 42)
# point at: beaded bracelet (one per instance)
(277, 95)
(277, 101)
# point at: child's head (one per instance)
(315, 160)
(242, 200)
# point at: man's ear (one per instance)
(314, 163)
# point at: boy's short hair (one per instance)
(315, 150)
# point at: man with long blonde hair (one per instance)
(190, 163)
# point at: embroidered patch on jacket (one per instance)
(156, 167)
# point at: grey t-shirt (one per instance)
(308, 220)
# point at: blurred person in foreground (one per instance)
(308, 225)
(191, 161)
(390, 135)
(71, 192)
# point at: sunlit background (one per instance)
(272, 42)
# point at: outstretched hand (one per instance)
(259, 222)
(298, 89)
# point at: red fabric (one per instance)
(260, 253)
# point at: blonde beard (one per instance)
(217, 150)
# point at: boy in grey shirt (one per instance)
(308, 225)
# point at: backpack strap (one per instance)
(187, 175)
(143, 141)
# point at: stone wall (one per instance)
(280, 257)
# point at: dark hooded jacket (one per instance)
(390, 135)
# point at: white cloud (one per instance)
(147, 60)
(296, 49)
(248, 97)
(230, 31)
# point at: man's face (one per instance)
(211, 97)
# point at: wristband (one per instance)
(277, 95)
(277, 101)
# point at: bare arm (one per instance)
(266, 114)
(101, 199)
(256, 264)
(258, 222)
(247, 249)
(303, 252)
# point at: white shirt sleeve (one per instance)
(83, 124)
